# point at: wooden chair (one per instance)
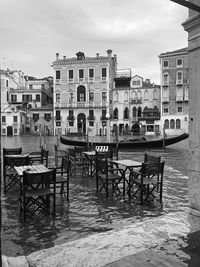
(10, 175)
(108, 177)
(151, 158)
(148, 182)
(62, 178)
(44, 156)
(36, 194)
(36, 156)
(78, 161)
(59, 154)
(9, 151)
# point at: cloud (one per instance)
(136, 30)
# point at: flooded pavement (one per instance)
(87, 213)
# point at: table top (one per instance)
(128, 162)
(16, 156)
(31, 169)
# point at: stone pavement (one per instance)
(149, 242)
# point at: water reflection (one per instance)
(88, 213)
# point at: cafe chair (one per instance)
(36, 156)
(44, 157)
(79, 163)
(108, 177)
(151, 158)
(36, 193)
(11, 177)
(148, 183)
(62, 178)
(59, 154)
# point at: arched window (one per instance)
(166, 124)
(116, 96)
(134, 112)
(139, 112)
(139, 95)
(178, 124)
(155, 95)
(133, 95)
(126, 113)
(126, 96)
(81, 93)
(146, 95)
(115, 114)
(172, 124)
(179, 76)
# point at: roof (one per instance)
(181, 50)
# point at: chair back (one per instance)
(151, 158)
(101, 148)
(32, 181)
(44, 156)
(101, 163)
(152, 170)
(66, 164)
(12, 151)
(17, 161)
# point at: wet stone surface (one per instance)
(87, 213)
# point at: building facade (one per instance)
(136, 104)
(174, 67)
(83, 92)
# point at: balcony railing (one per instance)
(186, 98)
(179, 82)
(165, 99)
(179, 98)
(91, 118)
(70, 118)
(103, 118)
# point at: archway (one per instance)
(9, 131)
(81, 123)
(135, 129)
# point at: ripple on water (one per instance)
(88, 213)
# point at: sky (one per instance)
(137, 31)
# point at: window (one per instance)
(186, 94)
(91, 123)
(71, 97)
(37, 98)
(6, 83)
(172, 124)
(30, 86)
(27, 98)
(179, 77)
(13, 98)
(91, 112)
(165, 110)
(47, 116)
(179, 109)
(115, 114)
(58, 118)
(134, 112)
(14, 118)
(146, 95)
(15, 130)
(104, 97)
(91, 73)
(42, 86)
(166, 79)
(57, 74)
(178, 124)
(81, 74)
(136, 83)
(139, 95)
(126, 96)
(155, 95)
(36, 117)
(71, 74)
(165, 64)
(81, 93)
(166, 124)
(104, 73)
(139, 112)
(91, 97)
(126, 115)
(3, 131)
(116, 96)
(3, 119)
(35, 128)
(57, 97)
(179, 62)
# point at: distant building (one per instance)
(174, 91)
(136, 104)
(19, 94)
(83, 92)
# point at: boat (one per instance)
(126, 144)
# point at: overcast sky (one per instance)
(137, 31)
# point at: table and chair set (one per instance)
(39, 183)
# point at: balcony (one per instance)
(186, 98)
(81, 104)
(71, 80)
(104, 79)
(179, 98)
(165, 99)
(70, 118)
(103, 118)
(179, 82)
(136, 101)
(58, 81)
(91, 118)
(166, 83)
(91, 79)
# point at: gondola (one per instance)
(127, 144)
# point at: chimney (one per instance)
(64, 57)
(57, 56)
(97, 54)
(109, 52)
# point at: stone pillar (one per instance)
(192, 26)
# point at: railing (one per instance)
(179, 98)
(91, 118)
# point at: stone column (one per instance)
(192, 26)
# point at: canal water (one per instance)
(87, 213)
